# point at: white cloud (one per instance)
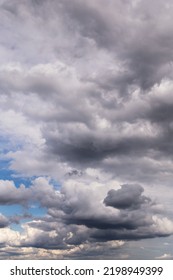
(9, 237)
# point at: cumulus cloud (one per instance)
(9, 194)
(129, 196)
(81, 214)
(130, 215)
(86, 100)
(9, 237)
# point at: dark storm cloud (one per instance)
(129, 196)
(79, 226)
(86, 91)
(106, 235)
(136, 53)
(139, 57)
(128, 199)
(140, 39)
(134, 217)
(72, 221)
(85, 218)
(93, 147)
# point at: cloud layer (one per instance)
(85, 101)
(79, 216)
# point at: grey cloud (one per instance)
(9, 194)
(77, 220)
(94, 83)
(41, 191)
(147, 65)
(62, 237)
(92, 146)
(161, 113)
(106, 235)
(89, 21)
(129, 196)
(77, 215)
(134, 219)
(4, 222)
(66, 212)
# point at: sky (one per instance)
(86, 129)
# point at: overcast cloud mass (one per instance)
(86, 129)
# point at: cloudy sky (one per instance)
(86, 129)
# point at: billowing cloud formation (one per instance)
(86, 218)
(86, 100)
(129, 196)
